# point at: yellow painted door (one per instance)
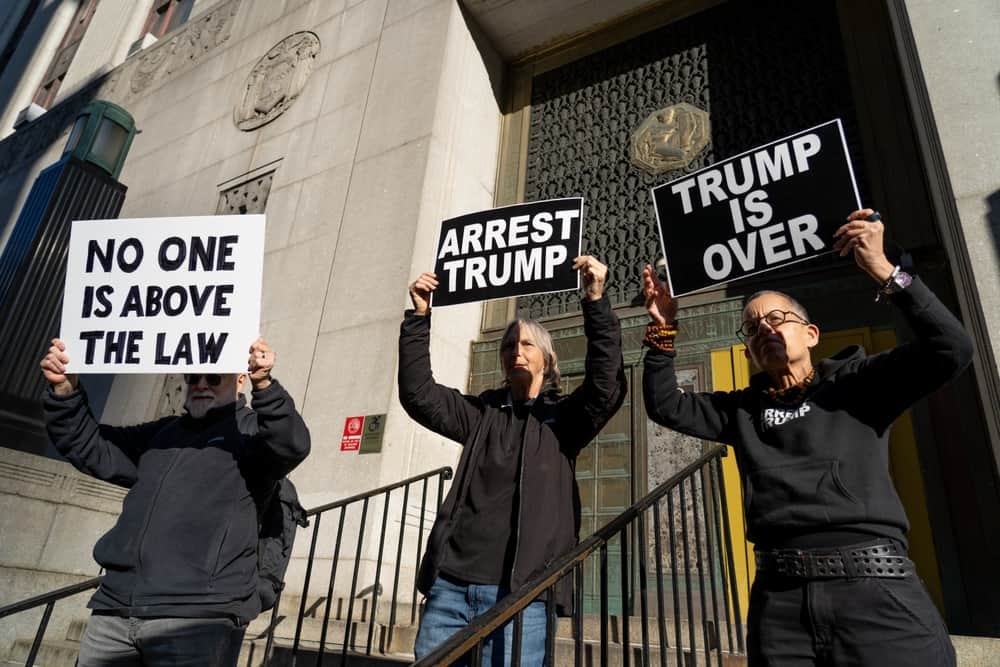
(731, 370)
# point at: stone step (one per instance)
(62, 653)
(52, 652)
(592, 631)
(565, 656)
(281, 655)
(316, 607)
(76, 629)
(976, 651)
(312, 631)
(401, 638)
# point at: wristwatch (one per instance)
(897, 281)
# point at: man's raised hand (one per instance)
(260, 363)
(54, 369)
(662, 308)
(864, 238)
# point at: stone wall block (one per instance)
(401, 9)
(335, 140)
(321, 204)
(24, 528)
(281, 205)
(71, 542)
(362, 25)
(405, 86)
(295, 278)
(292, 339)
(381, 208)
(292, 148)
(963, 38)
(349, 79)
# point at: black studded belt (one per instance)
(876, 559)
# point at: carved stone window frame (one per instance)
(263, 172)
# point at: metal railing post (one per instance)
(468, 641)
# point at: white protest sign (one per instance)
(163, 295)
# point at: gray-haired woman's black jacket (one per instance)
(557, 428)
(185, 544)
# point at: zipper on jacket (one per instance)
(145, 525)
(464, 480)
(520, 496)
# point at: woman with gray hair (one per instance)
(514, 506)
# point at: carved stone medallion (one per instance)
(276, 80)
(670, 138)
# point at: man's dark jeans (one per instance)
(119, 641)
(845, 622)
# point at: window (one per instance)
(166, 15)
(247, 196)
(46, 93)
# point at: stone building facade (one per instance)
(356, 126)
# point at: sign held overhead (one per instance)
(509, 251)
(772, 206)
(159, 295)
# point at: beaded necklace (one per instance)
(793, 394)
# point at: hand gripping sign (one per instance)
(509, 251)
(163, 295)
(772, 206)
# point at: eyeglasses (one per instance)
(774, 319)
(211, 379)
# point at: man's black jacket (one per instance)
(557, 428)
(820, 469)
(185, 544)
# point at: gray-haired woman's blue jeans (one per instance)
(451, 605)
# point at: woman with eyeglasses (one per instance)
(833, 584)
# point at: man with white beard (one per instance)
(180, 582)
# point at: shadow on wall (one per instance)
(13, 65)
(993, 204)
(490, 56)
(22, 158)
(19, 152)
(993, 217)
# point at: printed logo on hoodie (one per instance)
(772, 417)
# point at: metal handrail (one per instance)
(443, 474)
(51, 596)
(49, 600)
(470, 639)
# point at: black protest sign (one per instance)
(509, 251)
(772, 206)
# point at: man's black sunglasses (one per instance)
(211, 379)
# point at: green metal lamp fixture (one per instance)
(102, 135)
